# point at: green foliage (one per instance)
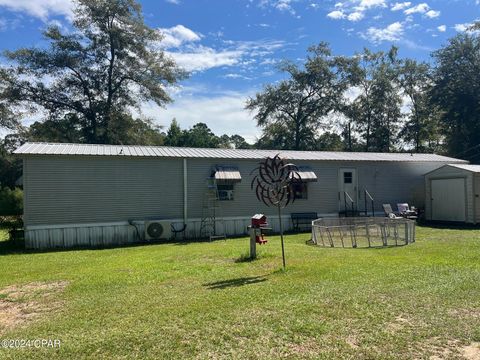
(290, 112)
(422, 128)
(10, 166)
(174, 135)
(456, 93)
(329, 141)
(376, 111)
(201, 136)
(88, 80)
(11, 201)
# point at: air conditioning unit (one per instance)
(158, 229)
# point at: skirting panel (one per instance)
(111, 234)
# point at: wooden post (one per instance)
(281, 234)
(253, 243)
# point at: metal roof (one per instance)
(468, 167)
(176, 152)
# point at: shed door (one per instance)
(448, 199)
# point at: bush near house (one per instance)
(11, 202)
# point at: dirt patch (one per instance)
(352, 341)
(401, 322)
(307, 348)
(22, 304)
(472, 351)
(465, 313)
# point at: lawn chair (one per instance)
(387, 208)
(405, 211)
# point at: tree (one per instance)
(239, 142)
(422, 126)
(175, 135)
(329, 141)
(224, 142)
(291, 111)
(91, 78)
(201, 136)
(456, 93)
(375, 111)
(8, 120)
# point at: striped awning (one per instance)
(306, 173)
(227, 174)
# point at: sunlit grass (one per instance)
(204, 300)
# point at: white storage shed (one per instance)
(452, 193)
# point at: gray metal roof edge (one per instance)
(251, 154)
(455, 165)
(467, 167)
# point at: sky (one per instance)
(231, 47)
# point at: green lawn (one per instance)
(198, 301)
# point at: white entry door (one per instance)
(448, 199)
(347, 183)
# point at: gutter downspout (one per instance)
(185, 193)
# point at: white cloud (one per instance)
(281, 5)
(420, 8)
(355, 16)
(354, 10)
(203, 58)
(41, 9)
(177, 36)
(336, 14)
(196, 57)
(465, 27)
(442, 28)
(223, 113)
(236, 76)
(400, 6)
(367, 4)
(432, 14)
(392, 32)
(284, 5)
(175, 2)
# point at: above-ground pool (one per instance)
(363, 232)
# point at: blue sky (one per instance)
(231, 46)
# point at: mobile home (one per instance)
(94, 195)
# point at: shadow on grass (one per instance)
(235, 282)
(8, 247)
(12, 246)
(449, 225)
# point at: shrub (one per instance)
(11, 202)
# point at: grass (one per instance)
(203, 300)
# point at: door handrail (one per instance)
(366, 193)
(345, 196)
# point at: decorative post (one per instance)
(273, 186)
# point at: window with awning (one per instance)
(300, 189)
(226, 177)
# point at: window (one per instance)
(225, 191)
(300, 190)
(347, 177)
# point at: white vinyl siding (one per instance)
(70, 190)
